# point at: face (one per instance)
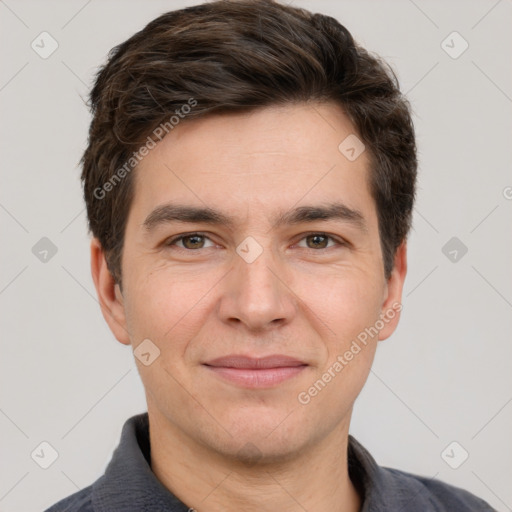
(252, 236)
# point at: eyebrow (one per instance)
(168, 213)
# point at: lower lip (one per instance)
(260, 378)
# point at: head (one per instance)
(289, 151)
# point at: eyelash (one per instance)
(178, 238)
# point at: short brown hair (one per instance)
(233, 56)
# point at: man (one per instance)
(249, 181)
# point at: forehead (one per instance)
(250, 164)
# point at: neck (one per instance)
(316, 479)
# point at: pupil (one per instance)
(193, 237)
(316, 237)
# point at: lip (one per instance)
(253, 372)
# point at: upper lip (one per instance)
(241, 361)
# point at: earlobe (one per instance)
(392, 304)
(109, 295)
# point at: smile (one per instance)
(252, 372)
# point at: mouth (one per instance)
(251, 372)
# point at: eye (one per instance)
(189, 241)
(195, 241)
(319, 241)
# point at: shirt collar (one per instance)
(129, 484)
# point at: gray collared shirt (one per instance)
(129, 485)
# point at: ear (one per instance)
(392, 304)
(109, 294)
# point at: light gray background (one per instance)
(444, 376)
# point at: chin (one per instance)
(263, 439)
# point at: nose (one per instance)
(256, 294)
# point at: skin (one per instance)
(216, 445)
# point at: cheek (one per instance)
(168, 305)
(168, 309)
(348, 310)
(346, 303)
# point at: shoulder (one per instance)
(441, 496)
(81, 501)
(386, 488)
